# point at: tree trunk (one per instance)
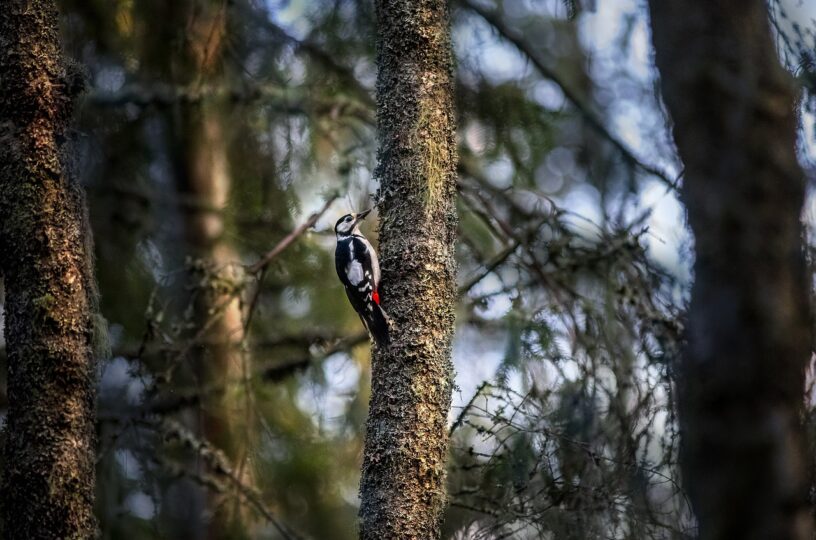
(203, 178)
(46, 259)
(220, 360)
(740, 383)
(403, 477)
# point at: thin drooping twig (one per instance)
(219, 464)
(489, 267)
(466, 409)
(253, 302)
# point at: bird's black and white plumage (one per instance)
(359, 271)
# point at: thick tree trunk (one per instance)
(45, 255)
(741, 378)
(403, 478)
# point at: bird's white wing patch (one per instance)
(375, 264)
(354, 272)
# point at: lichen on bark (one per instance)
(46, 261)
(403, 478)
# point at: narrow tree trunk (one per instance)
(45, 255)
(403, 478)
(203, 177)
(741, 379)
(220, 362)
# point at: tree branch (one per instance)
(511, 35)
(289, 100)
(291, 237)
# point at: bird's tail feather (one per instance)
(378, 325)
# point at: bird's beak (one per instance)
(363, 214)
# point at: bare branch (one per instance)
(291, 237)
(285, 99)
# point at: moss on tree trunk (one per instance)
(45, 257)
(403, 478)
(741, 378)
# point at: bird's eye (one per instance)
(348, 218)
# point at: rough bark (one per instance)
(402, 488)
(46, 259)
(741, 377)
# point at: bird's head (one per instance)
(348, 224)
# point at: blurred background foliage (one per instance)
(234, 398)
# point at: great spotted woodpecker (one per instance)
(359, 270)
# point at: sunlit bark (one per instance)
(46, 260)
